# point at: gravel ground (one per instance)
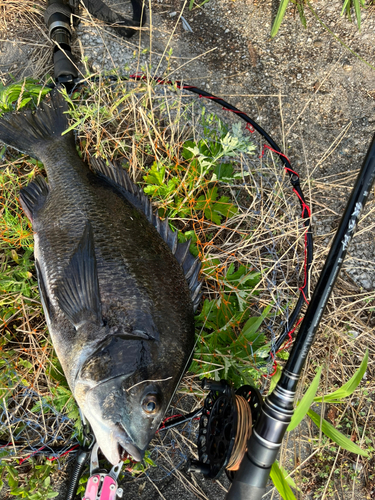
(310, 93)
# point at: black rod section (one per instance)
(250, 481)
(332, 265)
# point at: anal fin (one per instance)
(78, 291)
(33, 196)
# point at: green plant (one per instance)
(282, 482)
(336, 397)
(186, 187)
(331, 433)
(18, 95)
(227, 333)
(195, 5)
(34, 484)
(300, 5)
(62, 400)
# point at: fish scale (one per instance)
(111, 275)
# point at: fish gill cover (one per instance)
(207, 175)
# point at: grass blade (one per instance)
(305, 402)
(279, 17)
(280, 482)
(336, 435)
(357, 9)
(345, 6)
(348, 388)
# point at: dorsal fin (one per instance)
(116, 175)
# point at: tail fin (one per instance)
(28, 130)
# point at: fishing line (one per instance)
(243, 433)
(294, 180)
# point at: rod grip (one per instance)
(250, 481)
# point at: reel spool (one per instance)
(225, 426)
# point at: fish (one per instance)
(118, 290)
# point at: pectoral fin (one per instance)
(78, 292)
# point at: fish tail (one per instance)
(31, 131)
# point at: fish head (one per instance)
(124, 421)
(124, 390)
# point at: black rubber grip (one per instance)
(77, 471)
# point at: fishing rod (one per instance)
(263, 446)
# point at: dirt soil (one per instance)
(310, 93)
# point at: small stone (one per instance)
(357, 467)
(366, 284)
(347, 67)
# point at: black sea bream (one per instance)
(118, 291)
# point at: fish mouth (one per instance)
(113, 440)
(131, 452)
(127, 449)
(119, 446)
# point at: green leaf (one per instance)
(75, 125)
(18, 491)
(346, 5)
(186, 150)
(335, 435)
(288, 479)
(301, 13)
(13, 482)
(348, 388)
(305, 402)
(279, 17)
(223, 171)
(275, 379)
(280, 482)
(251, 327)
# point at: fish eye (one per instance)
(150, 404)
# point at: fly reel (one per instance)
(225, 426)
